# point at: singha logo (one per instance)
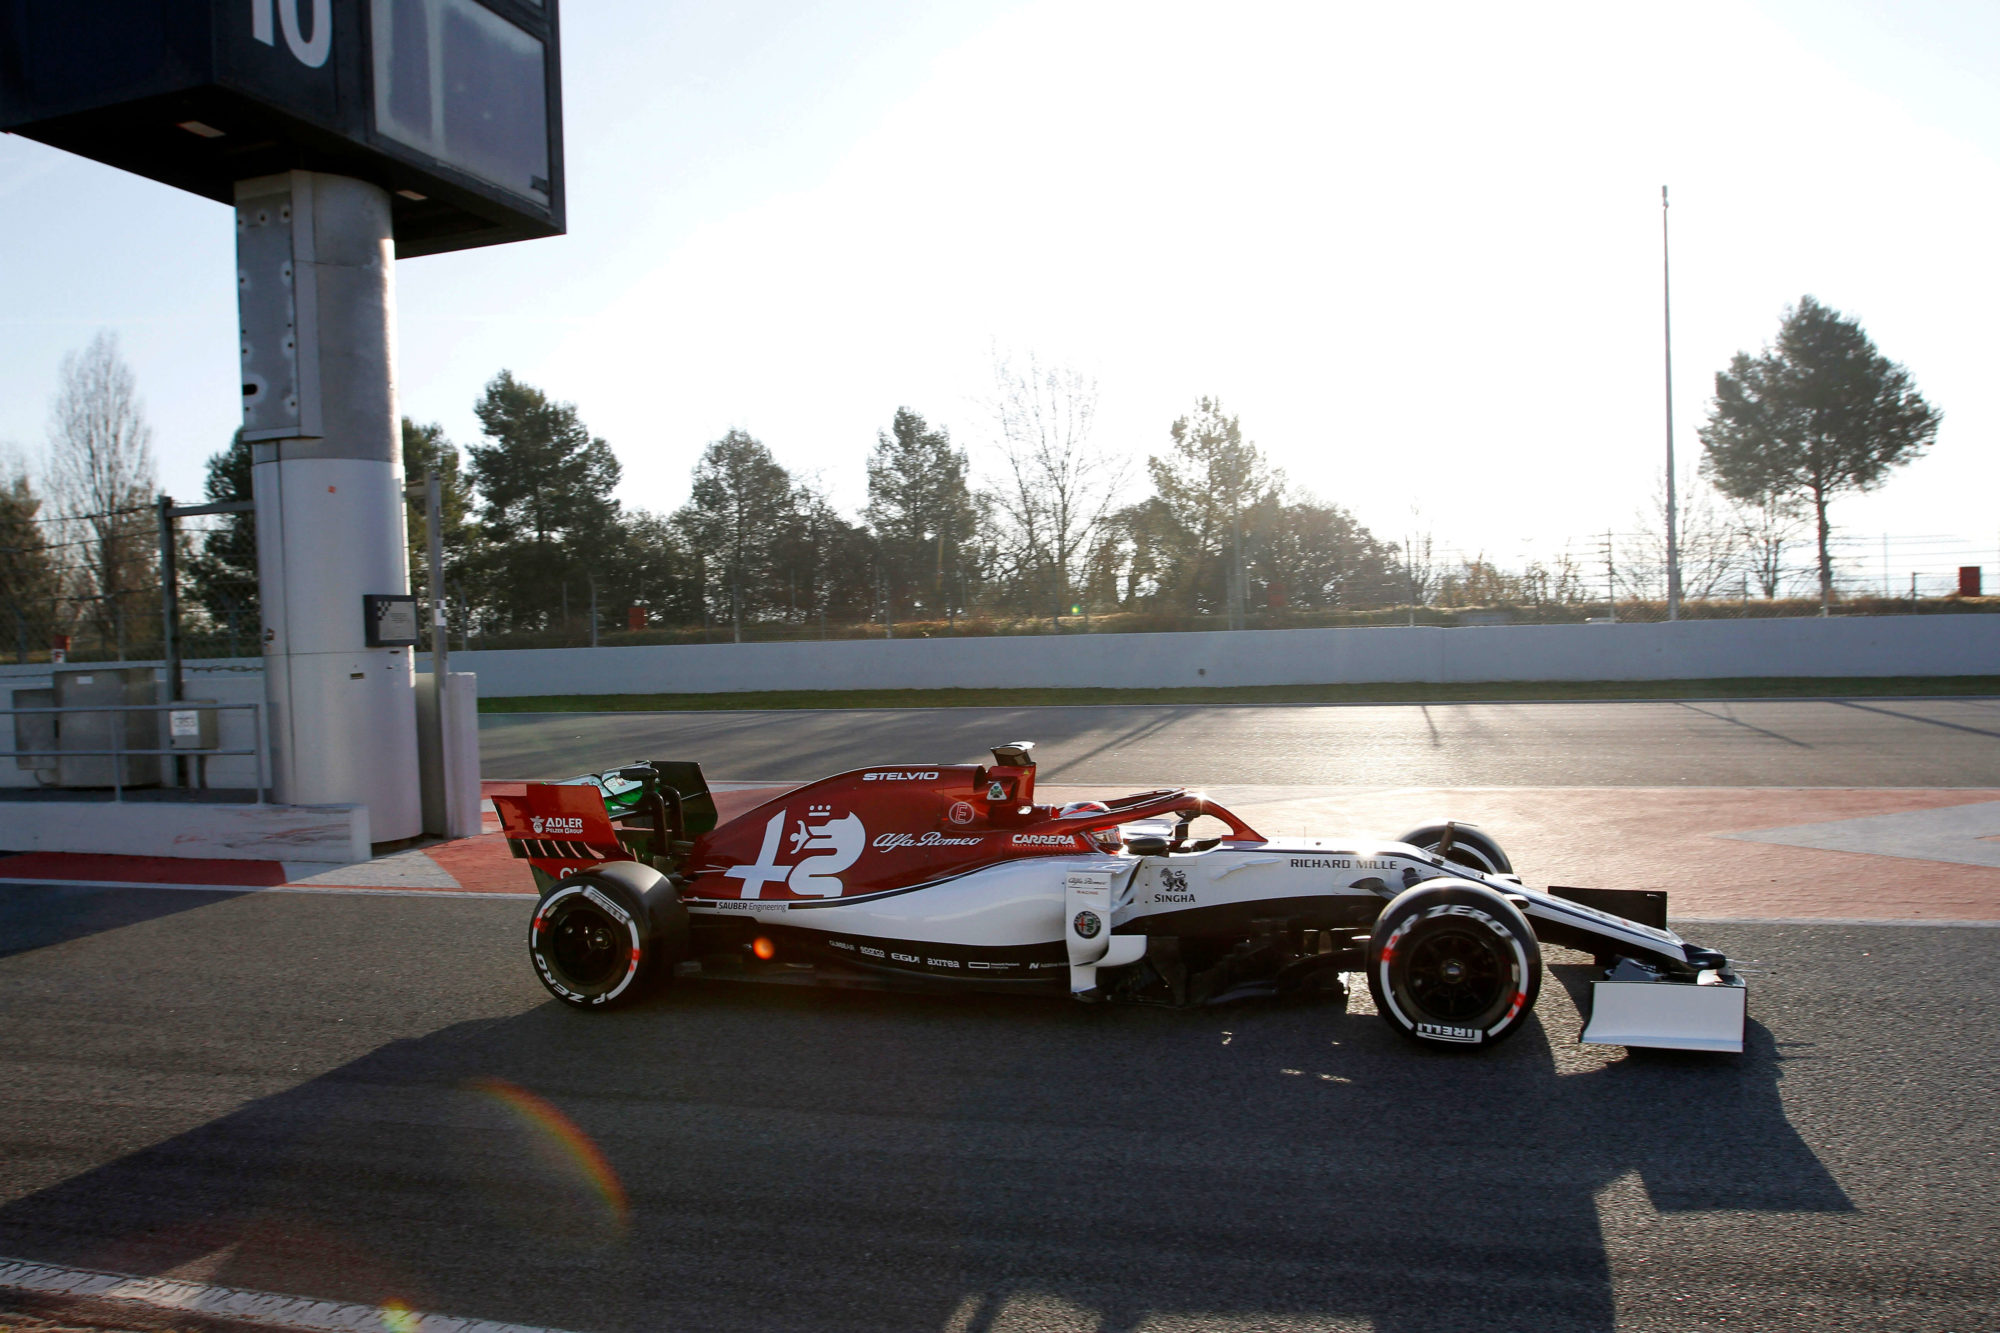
(1174, 881)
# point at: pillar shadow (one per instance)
(35, 916)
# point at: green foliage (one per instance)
(1205, 483)
(922, 512)
(737, 515)
(545, 511)
(221, 573)
(424, 448)
(29, 581)
(1317, 557)
(1818, 413)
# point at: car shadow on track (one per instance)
(743, 1158)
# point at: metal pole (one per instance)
(170, 617)
(170, 601)
(434, 550)
(1667, 316)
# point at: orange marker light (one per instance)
(764, 949)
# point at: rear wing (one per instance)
(616, 815)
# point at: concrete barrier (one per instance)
(1939, 645)
(162, 828)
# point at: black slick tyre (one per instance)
(1469, 847)
(1454, 964)
(607, 936)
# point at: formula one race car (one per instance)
(952, 876)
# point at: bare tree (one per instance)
(1058, 490)
(1421, 572)
(1768, 530)
(100, 476)
(1711, 548)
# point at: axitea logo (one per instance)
(553, 825)
(1044, 840)
(889, 842)
(899, 776)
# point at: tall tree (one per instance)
(426, 447)
(1058, 489)
(921, 510)
(221, 572)
(100, 476)
(29, 582)
(1319, 557)
(1209, 480)
(739, 509)
(1817, 413)
(544, 484)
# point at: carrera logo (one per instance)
(1044, 840)
(889, 842)
(1440, 1032)
(899, 776)
(551, 825)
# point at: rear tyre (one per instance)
(1454, 964)
(607, 936)
(1469, 847)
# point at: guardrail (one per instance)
(119, 752)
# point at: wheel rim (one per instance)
(1465, 854)
(588, 948)
(1456, 975)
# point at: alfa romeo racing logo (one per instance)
(1088, 924)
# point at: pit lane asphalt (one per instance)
(1750, 743)
(319, 1095)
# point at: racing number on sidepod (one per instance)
(838, 842)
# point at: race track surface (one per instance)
(1755, 743)
(363, 1095)
(348, 1098)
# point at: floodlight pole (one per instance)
(1667, 314)
(316, 302)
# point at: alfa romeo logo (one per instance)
(1088, 924)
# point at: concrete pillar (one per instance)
(316, 303)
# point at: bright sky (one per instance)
(1415, 248)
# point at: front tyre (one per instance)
(1454, 964)
(595, 942)
(1469, 847)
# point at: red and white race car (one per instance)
(918, 876)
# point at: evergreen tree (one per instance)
(922, 512)
(739, 512)
(29, 581)
(424, 448)
(545, 505)
(1819, 412)
(221, 573)
(1208, 481)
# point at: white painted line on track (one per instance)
(1830, 921)
(235, 1303)
(258, 888)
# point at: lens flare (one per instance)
(764, 949)
(538, 1114)
(399, 1318)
